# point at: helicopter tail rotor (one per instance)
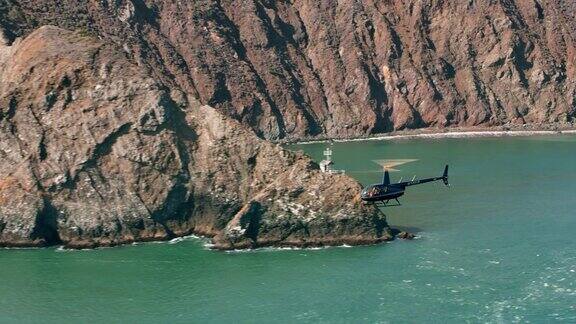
(445, 176)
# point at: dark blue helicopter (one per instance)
(386, 191)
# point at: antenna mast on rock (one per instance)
(327, 163)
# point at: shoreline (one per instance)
(437, 134)
(209, 244)
(318, 242)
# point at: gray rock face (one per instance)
(96, 152)
(345, 68)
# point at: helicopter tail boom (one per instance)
(444, 179)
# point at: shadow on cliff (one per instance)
(46, 227)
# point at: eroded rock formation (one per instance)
(95, 152)
(293, 69)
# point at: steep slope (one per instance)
(96, 152)
(344, 68)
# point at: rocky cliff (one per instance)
(304, 68)
(94, 151)
(107, 134)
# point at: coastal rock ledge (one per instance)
(97, 151)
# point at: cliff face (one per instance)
(343, 68)
(96, 152)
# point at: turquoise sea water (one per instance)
(498, 246)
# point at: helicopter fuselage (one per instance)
(380, 192)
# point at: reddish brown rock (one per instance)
(108, 142)
(96, 152)
(344, 68)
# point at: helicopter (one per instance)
(386, 191)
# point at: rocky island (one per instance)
(138, 120)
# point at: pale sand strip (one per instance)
(461, 134)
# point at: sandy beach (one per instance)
(416, 134)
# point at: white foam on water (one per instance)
(22, 248)
(184, 238)
(269, 249)
(288, 248)
(208, 245)
(176, 240)
(62, 248)
(554, 287)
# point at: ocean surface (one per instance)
(498, 246)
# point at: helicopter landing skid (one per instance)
(385, 203)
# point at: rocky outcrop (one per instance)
(95, 151)
(295, 69)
